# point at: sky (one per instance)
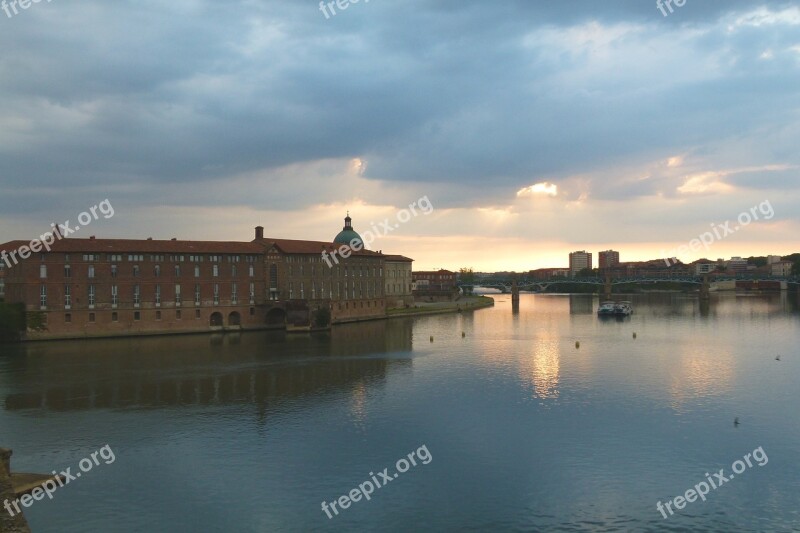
(531, 128)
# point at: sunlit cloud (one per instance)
(539, 189)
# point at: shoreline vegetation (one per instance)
(467, 303)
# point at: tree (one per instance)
(467, 277)
(12, 321)
(322, 318)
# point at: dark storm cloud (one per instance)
(128, 97)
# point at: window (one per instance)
(252, 293)
(91, 257)
(291, 290)
(114, 295)
(233, 270)
(113, 271)
(177, 295)
(178, 314)
(158, 295)
(137, 295)
(43, 297)
(135, 271)
(177, 258)
(134, 257)
(197, 295)
(43, 271)
(251, 271)
(216, 294)
(67, 297)
(91, 317)
(196, 258)
(67, 271)
(197, 271)
(252, 311)
(158, 315)
(157, 258)
(137, 315)
(115, 258)
(302, 290)
(157, 270)
(197, 313)
(215, 271)
(177, 271)
(91, 294)
(91, 271)
(234, 296)
(68, 318)
(215, 259)
(115, 317)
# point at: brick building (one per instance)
(437, 285)
(399, 281)
(108, 287)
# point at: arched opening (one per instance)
(276, 317)
(216, 319)
(234, 319)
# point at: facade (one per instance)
(398, 281)
(579, 261)
(544, 274)
(433, 286)
(608, 259)
(703, 268)
(737, 265)
(781, 268)
(109, 287)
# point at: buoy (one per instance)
(634, 334)
(431, 338)
(463, 334)
(578, 344)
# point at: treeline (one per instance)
(12, 321)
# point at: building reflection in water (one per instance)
(259, 367)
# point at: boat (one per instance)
(623, 309)
(607, 309)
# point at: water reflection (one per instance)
(259, 368)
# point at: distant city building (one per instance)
(608, 259)
(701, 269)
(399, 281)
(579, 261)
(549, 273)
(438, 285)
(782, 268)
(736, 264)
(773, 259)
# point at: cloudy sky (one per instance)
(534, 128)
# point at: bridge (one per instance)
(505, 283)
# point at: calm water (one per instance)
(526, 432)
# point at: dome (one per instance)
(348, 234)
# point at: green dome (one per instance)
(348, 234)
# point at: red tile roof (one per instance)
(70, 245)
(399, 258)
(291, 246)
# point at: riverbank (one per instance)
(467, 303)
(8, 523)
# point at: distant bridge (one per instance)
(504, 284)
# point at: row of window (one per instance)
(137, 315)
(158, 258)
(352, 291)
(91, 294)
(351, 271)
(136, 271)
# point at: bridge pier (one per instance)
(514, 295)
(607, 287)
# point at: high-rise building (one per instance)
(608, 259)
(579, 261)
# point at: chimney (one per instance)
(91, 238)
(173, 239)
(259, 232)
(149, 238)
